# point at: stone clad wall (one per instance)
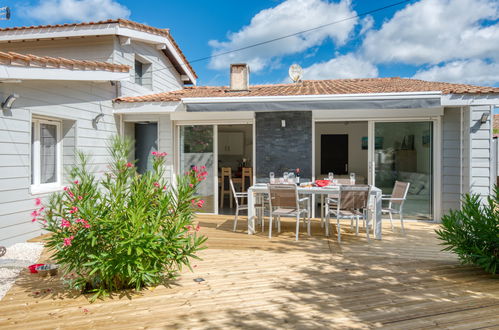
(281, 148)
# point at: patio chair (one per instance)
(396, 202)
(259, 205)
(352, 203)
(285, 202)
(332, 200)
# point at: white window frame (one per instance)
(36, 186)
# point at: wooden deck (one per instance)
(402, 282)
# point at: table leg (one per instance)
(378, 220)
(251, 212)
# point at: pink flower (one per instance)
(34, 214)
(66, 188)
(200, 203)
(33, 220)
(38, 202)
(129, 164)
(195, 169)
(198, 227)
(188, 227)
(154, 153)
(156, 184)
(80, 197)
(203, 167)
(76, 182)
(73, 210)
(65, 223)
(191, 185)
(163, 154)
(67, 241)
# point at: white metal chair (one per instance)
(285, 202)
(259, 205)
(396, 202)
(352, 203)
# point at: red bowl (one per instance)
(32, 268)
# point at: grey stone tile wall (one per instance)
(281, 148)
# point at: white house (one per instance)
(121, 77)
(57, 83)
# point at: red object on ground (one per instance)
(322, 183)
(32, 268)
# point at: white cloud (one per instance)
(432, 31)
(286, 18)
(345, 66)
(469, 71)
(55, 11)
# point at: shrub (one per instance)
(125, 230)
(473, 232)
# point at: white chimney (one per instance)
(239, 77)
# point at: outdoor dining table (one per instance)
(261, 188)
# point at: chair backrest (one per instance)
(247, 178)
(400, 190)
(233, 191)
(226, 176)
(343, 181)
(353, 197)
(283, 196)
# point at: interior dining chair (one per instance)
(352, 204)
(396, 202)
(246, 179)
(285, 202)
(259, 205)
(224, 185)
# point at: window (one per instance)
(45, 155)
(139, 72)
(143, 72)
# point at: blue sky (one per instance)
(446, 40)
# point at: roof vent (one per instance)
(239, 77)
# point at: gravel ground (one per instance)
(18, 256)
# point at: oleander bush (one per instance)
(473, 232)
(124, 230)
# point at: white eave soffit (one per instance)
(16, 73)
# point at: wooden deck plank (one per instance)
(403, 281)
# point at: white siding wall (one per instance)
(89, 48)
(76, 103)
(451, 159)
(480, 145)
(164, 76)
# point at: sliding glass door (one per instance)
(403, 151)
(196, 149)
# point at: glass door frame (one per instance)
(214, 124)
(436, 155)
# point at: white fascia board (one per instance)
(363, 114)
(470, 99)
(146, 107)
(95, 30)
(157, 40)
(59, 32)
(35, 73)
(327, 97)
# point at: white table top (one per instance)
(262, 187)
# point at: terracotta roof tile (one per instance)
(29, 60)
(121, 22)
(319, 87)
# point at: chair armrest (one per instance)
(382, 196)
(392, 199)
(304, 199)
(331, 200)
(241, 194)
